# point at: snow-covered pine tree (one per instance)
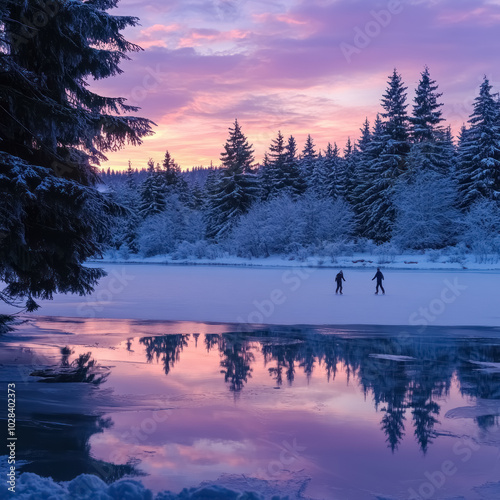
(335, 172)
(210, 201)
(131, 201)
(460, 143)
(196, 197)
(478, 168)
(361, 173)
(349, 170)
(237, 187)
(308, 160)
(390, 164)
(152, 192)
(173, 181)
(369, 193)
(430, 148)
(130, 178)
(447, 160)
(276, 166)
(265, 177)
(320, 178)
(365, 138)
(396, 131)
(427, 114)
(49, 115)
(171, 172)
(53, 131)
(294, 183)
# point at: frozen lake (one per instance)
(286, 296)
(354, 413)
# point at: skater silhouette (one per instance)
(379, 276)
(338, 279)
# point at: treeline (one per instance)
(404, 182)
(194, 175)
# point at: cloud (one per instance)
(277, 63)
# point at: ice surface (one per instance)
(287, 296)
(492, 367)
(391, 357)
(483, 408)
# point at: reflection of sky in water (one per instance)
(228, 405)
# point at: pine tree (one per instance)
(308, 160)
(479, 151)
(172, 179)
(210, 201)
(430, 148)
(131, 202)
(447, 153)
(210, 188)
(171, 172)
(360, 175)
(335, 174)
(276, 166)
(396, 133)
(370, 203)
(237, 187)
(196, 197)
(349, 170)
(461, 139)
(130, 179)
(266, 178)
(53, 133)
(388, 165)
(293, 180)
(427, 115)
(152, 192)
(365, 138)
(48, 115)
(319, 184)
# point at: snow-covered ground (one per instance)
(287, 296)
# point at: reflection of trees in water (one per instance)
(57, 444)
(83, 369)
(166, 347)
(285, 357)
(431, 380)
(236, 359)
(402, 391)
(212, 340)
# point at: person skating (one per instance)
(379, 276)
(338, 279)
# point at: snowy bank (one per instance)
(431, 260)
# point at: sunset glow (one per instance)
(283, 66)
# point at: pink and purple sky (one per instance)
(282, 65)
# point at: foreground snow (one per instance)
(286, 296)
(31, 486)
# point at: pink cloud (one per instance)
(283, 67)
(197, 38)
(160, 28)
